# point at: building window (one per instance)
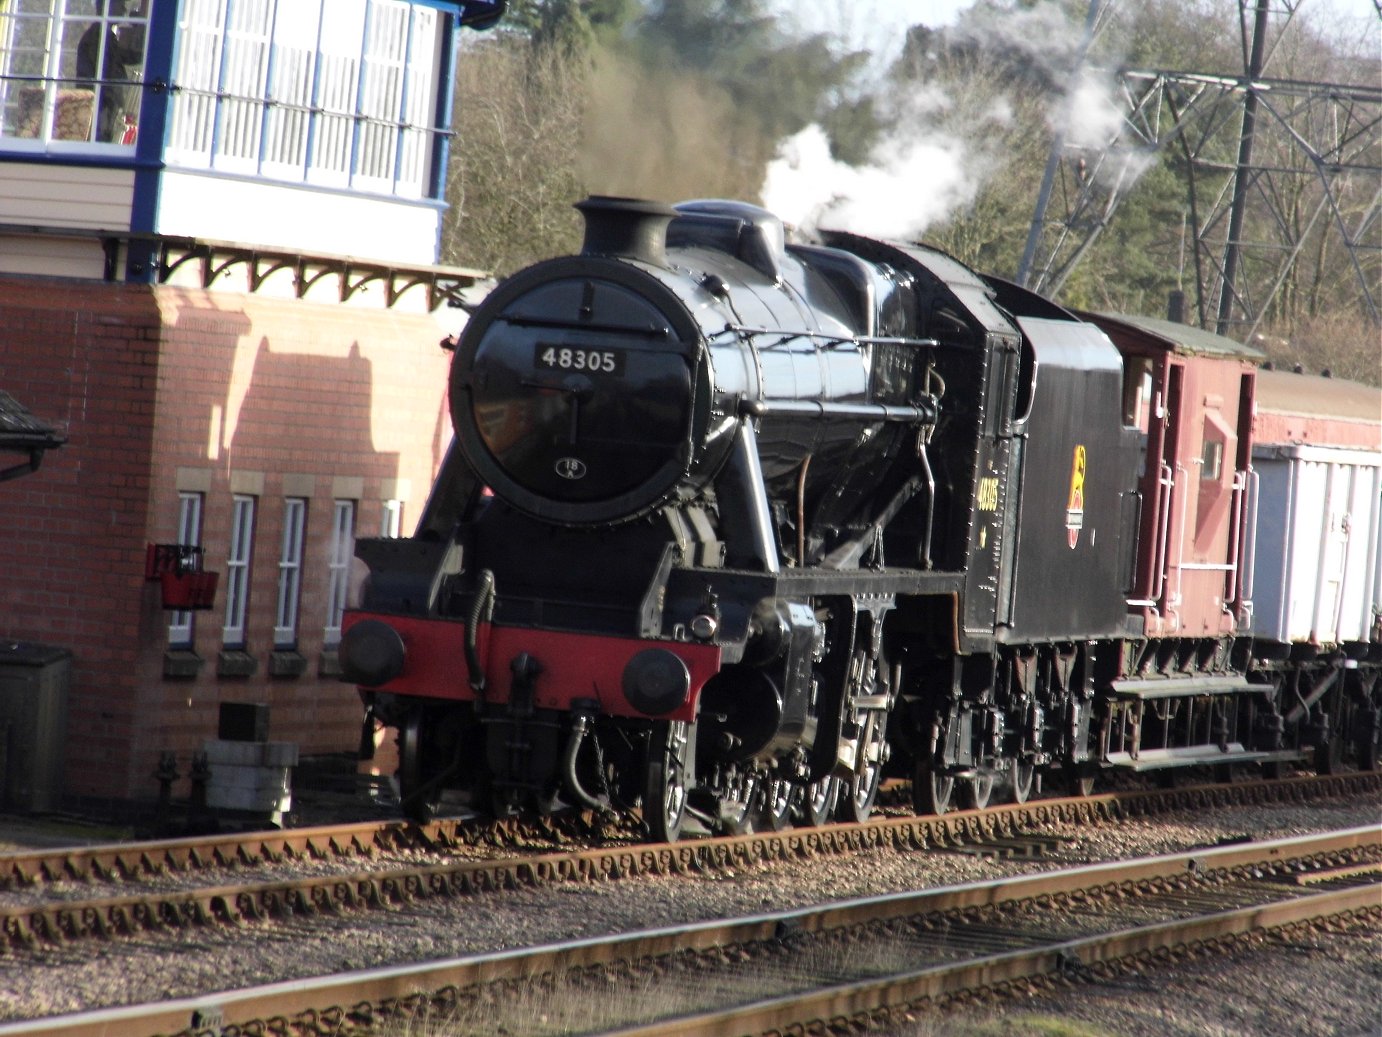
(335, 92)
(180, 628)
(391, 519)
(290, 573)
(338, 581)
(238, 570)
(72, 70)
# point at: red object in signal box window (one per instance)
(131, 131)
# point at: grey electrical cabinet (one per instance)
(34, 680)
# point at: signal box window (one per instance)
(72, 70)
(333, 92)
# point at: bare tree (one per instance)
(513, 172)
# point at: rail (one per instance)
(1042, 925)
(76, 915)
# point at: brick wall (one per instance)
(165, 389)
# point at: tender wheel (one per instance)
(818, 804)
(667, 776)
(779, 800)
(859, 792)
(419, 770)
(1369, 749)
(975, 792)
(1328, 756)
(1021, 780)
(931, 790)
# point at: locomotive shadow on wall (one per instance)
(268, 412)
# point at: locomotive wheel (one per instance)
(419, 773)
(975, 792)
(856, 804)
(931, 790)
(818, 804)
(667, 776)
(779, 800)
(737, 813)
(1022, 778)
(1081, 781)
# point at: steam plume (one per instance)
(938, 157)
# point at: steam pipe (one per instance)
(481, 611)
(925, 412)
(579, 726)
(930, 504)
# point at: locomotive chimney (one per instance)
(627, 227)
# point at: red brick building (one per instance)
(176, 399)
(264, 397)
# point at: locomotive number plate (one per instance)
(568, 358)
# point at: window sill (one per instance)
(330, 663)
(181, 664)
(234, 662)
(287, 662)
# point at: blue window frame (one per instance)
(338, 93)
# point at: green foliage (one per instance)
(785, 82)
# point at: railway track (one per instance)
(851, 961)
(42, 906)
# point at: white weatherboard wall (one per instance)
(56, 198)
(1317, 573)
(277, 215)
(51, 195)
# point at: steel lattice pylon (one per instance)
(1307, 154)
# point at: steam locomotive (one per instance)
(732, 527)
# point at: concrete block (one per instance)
(250, 754)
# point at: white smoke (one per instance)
(938, 156)
(1089, 117)
(913, 179)
(1089, 113)
(908, 186)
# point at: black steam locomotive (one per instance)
(732, 527)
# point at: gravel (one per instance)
(1331, 978)
(1317, 983)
